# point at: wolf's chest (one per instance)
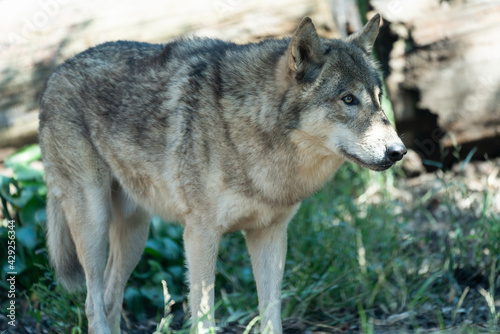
(234, 212)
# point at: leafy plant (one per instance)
(23, 199)
(61, 311)
(163, 260)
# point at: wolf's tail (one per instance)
(62, 250)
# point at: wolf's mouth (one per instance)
(380, 166)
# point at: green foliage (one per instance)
(163, 260)
(346, 248)
(363, 6)
(63, 312)
(25, 193)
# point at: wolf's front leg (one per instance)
(267, 248)
(201, 247)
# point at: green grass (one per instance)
(359, 256)
(343, 252)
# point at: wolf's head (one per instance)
(339, 91)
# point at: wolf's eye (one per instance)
(348, 99)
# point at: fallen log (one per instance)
(444, 79)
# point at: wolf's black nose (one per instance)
(396, 151)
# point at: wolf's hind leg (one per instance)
(88, 210)
(128, 234)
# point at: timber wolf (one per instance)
(217, 136)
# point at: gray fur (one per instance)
(218, 136)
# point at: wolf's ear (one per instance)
(304, 52)
(365, 37)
